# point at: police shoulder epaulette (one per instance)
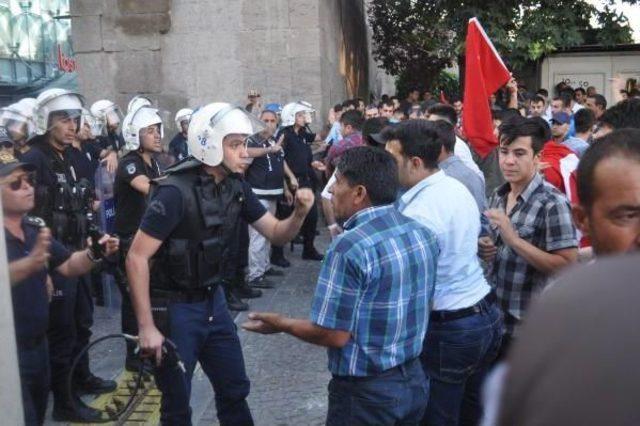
(35, 221)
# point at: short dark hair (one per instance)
(350, 103)
(584, 120)
(372, 126)
(545, 125)
(543, 92)
(634, 93)
(375, 169)
(566, 96)
(623, 114)
(447, 134)
(337, 107)
(352, 117)
(388, 103)
(512, 129)
(445, 111)
(537, 99)
(418, 138)
(623, 143)
(503, 115)
(599, 100)
(268, 111)
(580, 89)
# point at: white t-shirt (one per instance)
(463, 152)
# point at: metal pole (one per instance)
(10, 392)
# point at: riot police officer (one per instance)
(185, 233)
(18, 119)
(61, 201)
(32, 255)
(142, 131)
(109, 118)
(178, 145)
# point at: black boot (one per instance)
(309, 252)
(277, 257)
(244, 290)
(94, 385)
(233, 301)
(76, 411)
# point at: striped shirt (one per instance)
(377, 282)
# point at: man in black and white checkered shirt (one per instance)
(533, 231)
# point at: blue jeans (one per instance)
(34, 379)
(205, 332)
(456, 357)
(395, 397)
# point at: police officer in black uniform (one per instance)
(174, 263)
(178, 145)
(61, 201)
(142, 132)
(296, 118)
(33, 255)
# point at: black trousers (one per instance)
(83, 323)
(62, 335)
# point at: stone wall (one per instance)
(191, 52)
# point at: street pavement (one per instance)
(288, 377)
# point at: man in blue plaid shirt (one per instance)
(371, 306)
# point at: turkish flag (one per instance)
(484, 74)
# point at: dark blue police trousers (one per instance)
(205, 332)
(33, 362)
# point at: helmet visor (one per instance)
(19, 127)
(236, 121)
(65, 121)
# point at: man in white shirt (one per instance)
(465, 324)
(460, 149)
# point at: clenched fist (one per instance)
(303, 202)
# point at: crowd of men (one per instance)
(436, 253)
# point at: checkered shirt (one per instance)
(542, 217)
(376, 282)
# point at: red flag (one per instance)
(484, 74)
(443, 98)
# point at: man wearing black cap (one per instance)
(33, 254)
(560, 122)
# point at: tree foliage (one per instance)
(415, 39)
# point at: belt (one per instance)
(389, 372)
(442, 316)
(30, 342)
(185, 296)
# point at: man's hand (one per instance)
(293, 183)
(288, 196)
(40, 253)
(111, 244)
(500, 221)
(487, 250)
(111, 161)
(319, 166)
(303, 202)
(150, 342)
(263, 323)
(512, 85)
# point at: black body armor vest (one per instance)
(63, 202)
(192, 256)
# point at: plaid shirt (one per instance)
(542, 217)
(377, 281)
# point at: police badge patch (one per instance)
(131, 168)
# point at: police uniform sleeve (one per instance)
(163, 213)
(59, 254)
(130, 168)
(252, 209)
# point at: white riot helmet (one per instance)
(290, 110)
(137, 120)
(18, 118)
(183, 115)
(107, 114)
(60, 101)
(95, 125)
(211, 123)
(136, 102)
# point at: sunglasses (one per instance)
(6, 144)
(30, 178)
